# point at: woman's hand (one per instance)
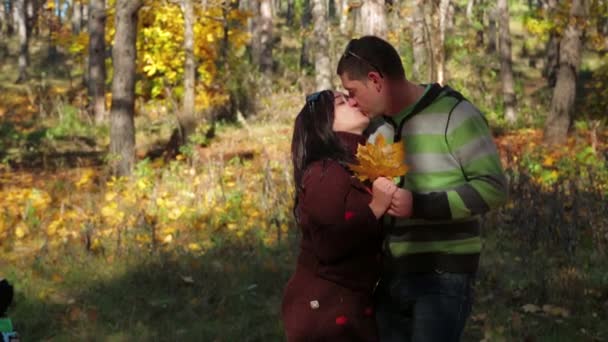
(382, 192)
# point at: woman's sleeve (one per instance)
(341, 219)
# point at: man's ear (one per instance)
(376, 80)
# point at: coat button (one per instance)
(314, 304)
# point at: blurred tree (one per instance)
(3, 21)
(263, 39)
(422, 67)
(124, 57)
(552, 46)
(323, 70)
(305, 21)
(77, 19)
(187, 115)
(9, 27)
(96, 79)
(290, 14)
(491, 31)
(479, 12)
(564, 94)
(439, 45)
(20, 18)
(372, 18)
(506, 64)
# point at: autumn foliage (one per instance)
(379, 159)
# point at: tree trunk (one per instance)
(97, 66)
(290, 12)
(9, 27)
(331, 9)
(343, 16)
(3, 21)
(506, 65)
(305, 60)
(31, 12)
(552, 47)
(187, 117)
(479, 14)
(421, 69)
(491, 48)
(562, 105)
(76, 17)
(470, 11)
(84, 15)
(265, 37)
(444, 6)
(372, 19)
(20, 17)
(124, 56)
(323, 71)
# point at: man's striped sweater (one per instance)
(455, 174)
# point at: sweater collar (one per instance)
(351, 141)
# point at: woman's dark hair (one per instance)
(313, 138)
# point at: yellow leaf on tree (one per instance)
(379, 160)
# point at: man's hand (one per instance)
(401, 204)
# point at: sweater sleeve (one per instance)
(485, 188)
(340, 216)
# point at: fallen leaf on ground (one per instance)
(530, 308)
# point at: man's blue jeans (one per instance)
(424, 307)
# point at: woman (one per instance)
(329, 298)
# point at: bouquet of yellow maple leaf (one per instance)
(379, 160)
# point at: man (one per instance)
(431, 258)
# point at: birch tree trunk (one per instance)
(506, 64)
(3, 21)
(187, 117)
(96, 80)
(444, 6)
(372, 19)
(265, 37)
(343, 8)
(124, 57)
(323, 71)
(76, 17)
(421, 71)
(20, 18)
(562, 105)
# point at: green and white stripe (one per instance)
(455, 174)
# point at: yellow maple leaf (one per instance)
(379, 160)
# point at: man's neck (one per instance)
(403, 94)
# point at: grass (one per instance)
(225, 295)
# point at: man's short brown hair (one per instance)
(367, 54)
